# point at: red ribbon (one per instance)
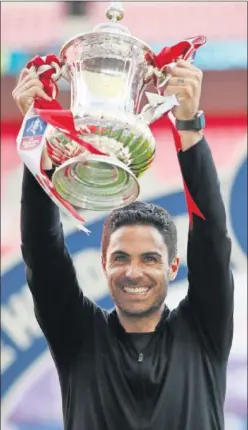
(186, 50)
(191, 205)
(51, 111)
(170, 54)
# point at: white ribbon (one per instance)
(31, 141)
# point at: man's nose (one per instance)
(133, 271)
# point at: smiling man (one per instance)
(139, 257)
(142, 366)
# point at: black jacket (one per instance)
(172, 379)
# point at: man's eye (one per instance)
(150, 259)
(120, 258)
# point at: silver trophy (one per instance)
(109, 75)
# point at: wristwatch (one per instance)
(196, 124)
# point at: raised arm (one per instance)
(210, 294)
(64, 314)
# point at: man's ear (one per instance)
(104, 264)
(174, 269)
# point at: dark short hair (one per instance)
(139, 213)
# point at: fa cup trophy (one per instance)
(103, 143)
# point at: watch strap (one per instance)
(195, 124)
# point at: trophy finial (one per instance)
(115, 11)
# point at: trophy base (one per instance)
(96, 182)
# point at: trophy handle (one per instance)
(167, 56)
(158, 105)
(52, 68)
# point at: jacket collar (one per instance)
(119, 330)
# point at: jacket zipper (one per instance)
(142, 385)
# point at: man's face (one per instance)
(137, 269)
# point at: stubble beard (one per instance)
(143, 313)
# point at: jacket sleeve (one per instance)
(211, 288)
(63, 313)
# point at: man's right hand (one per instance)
(27, 89)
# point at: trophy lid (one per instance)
(114, 13)
(72, 49)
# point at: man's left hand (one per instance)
(185, 84)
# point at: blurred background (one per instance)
(30, 393)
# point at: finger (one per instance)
(28, 82)
(24, 73)
(187, 65)
(183, 82)
(38, 92)
(181, 72)
(174, 90)
(32, 92)
(181, 92)
(42, 94)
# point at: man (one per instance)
(141, 367)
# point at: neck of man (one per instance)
(146, 323)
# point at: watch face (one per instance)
(202, 120)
